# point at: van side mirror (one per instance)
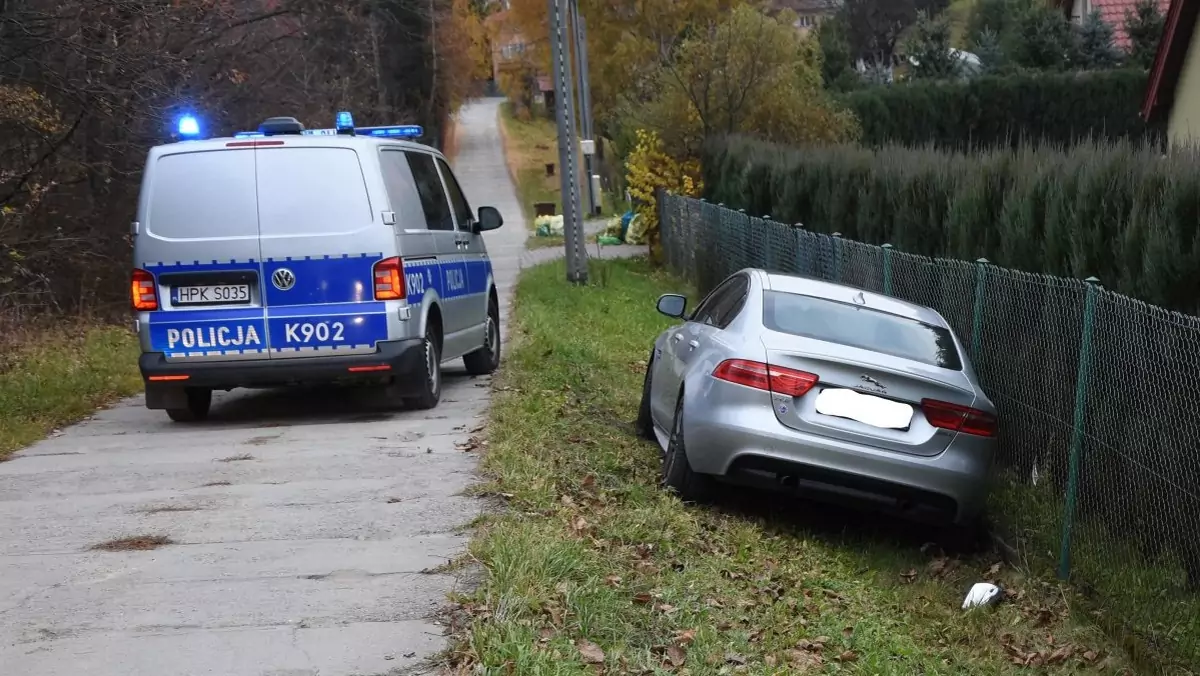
(489, 219)
(672, 305)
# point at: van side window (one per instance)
(429, 187)
(462, 210)
(397, 178)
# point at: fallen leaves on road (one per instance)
(590, 652)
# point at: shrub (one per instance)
(1122, 212)
(1054, 108)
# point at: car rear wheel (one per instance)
(677, 474)
(486, 359)
(431, 386)
(199, 401)
(645, 422)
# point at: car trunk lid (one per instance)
(861, 396)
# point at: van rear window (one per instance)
(201, 195)
(309, 191)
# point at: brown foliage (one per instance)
(87, 86)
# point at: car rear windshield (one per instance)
(861, 327)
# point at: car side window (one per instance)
(732, 303)
(462, 210)
(707, 309)
(429, 188)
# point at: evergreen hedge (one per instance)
(1120, 211)
(1011, 110)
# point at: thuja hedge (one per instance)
(1011, 110)
(1120, 211)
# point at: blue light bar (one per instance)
(248, 134)
(401, 131)
(189, 127)
(344, 121)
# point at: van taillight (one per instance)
(389, 279)
(142, 288)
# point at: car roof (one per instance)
(299, 140)
(807, 286)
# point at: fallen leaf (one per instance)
(938, 566)
(589, 481)
(909, 576)
(848, 632)
(993, 571)
(734, 658)
(847, 656)
(579, 525)
(590, 652)
(770, 660)
(545, 635)
(1090, 656)
(676, 655)
(804, 661)
(665, 608)
(1061, 655)
(685, 637)
(568, 501)
(642, 598)
(613, 580)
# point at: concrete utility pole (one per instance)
(585, 108)
(560, 61)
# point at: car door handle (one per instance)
(693, 344)
(677, 337)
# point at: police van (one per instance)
(291, 255)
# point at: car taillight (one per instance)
(143, 293)
(766, 377)
(958, 418)
(389, 279)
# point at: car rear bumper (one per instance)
(400, 360)
(741, 438)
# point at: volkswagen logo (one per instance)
(283, 279)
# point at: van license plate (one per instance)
(219, 294)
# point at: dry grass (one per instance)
(138, 543)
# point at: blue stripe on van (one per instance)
(330, 307)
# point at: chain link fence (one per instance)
(1099, 461)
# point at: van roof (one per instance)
(298, 140)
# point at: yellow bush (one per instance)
(647, 169)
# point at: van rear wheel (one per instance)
(431, 384)
(486, 359)
(199, 401)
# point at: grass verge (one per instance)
(592, 568)
(529, 145)
(52, 377)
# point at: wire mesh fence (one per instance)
(1098, 467)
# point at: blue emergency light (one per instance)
(189, 127)
(402, 131)
(345, 122)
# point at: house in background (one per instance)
(809, 13)
(1112, 11)
(1174, 87)
(513, 54)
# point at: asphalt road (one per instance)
(301, 521)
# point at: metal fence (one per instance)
(1098, 472)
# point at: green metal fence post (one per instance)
(977, 318)
(887, 269)
(837, 257)
(1081, 396)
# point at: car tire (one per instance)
(199, 401)
(431, 384)
(486, 359)
(644, 426)
(677, 473)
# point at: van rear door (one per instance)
(320, 240)
(200, 239)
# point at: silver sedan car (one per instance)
(823, 388)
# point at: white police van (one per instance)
(287, 256)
